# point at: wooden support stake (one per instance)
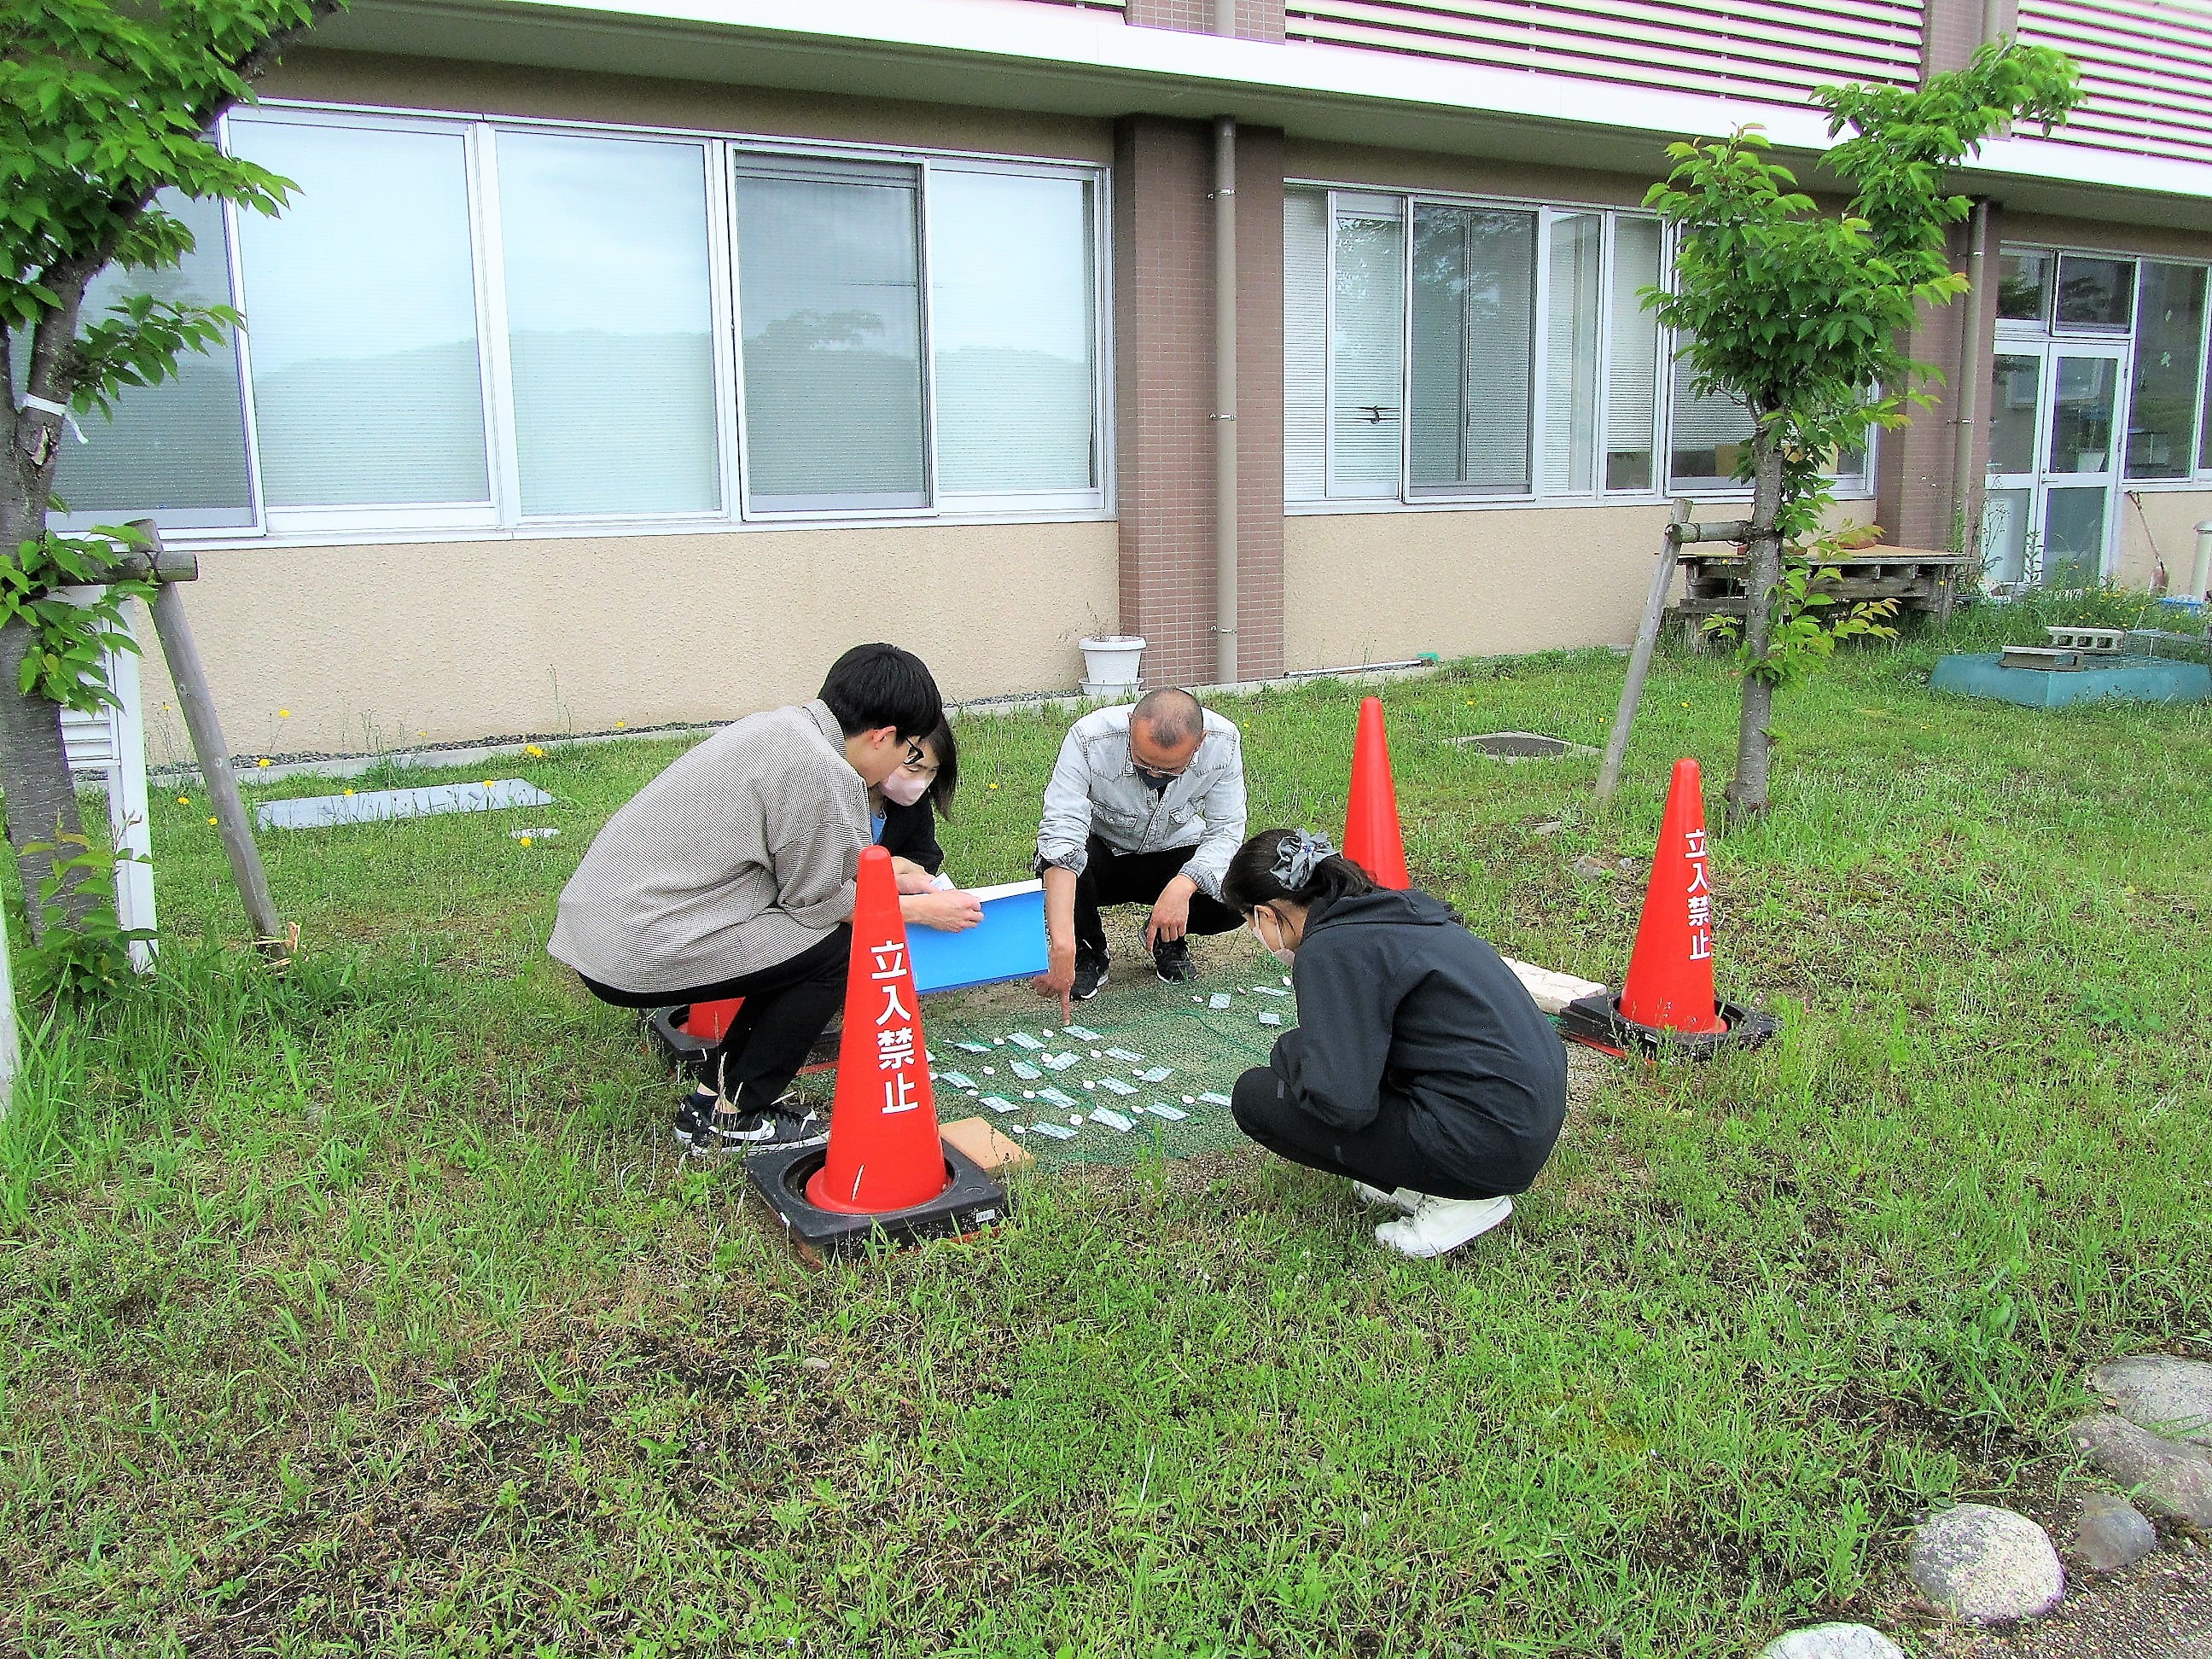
(11, 1047)
(190, 678)
(1639, 659)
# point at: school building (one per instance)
(623, 360)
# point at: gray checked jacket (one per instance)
(1095, 790)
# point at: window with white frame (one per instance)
(1439, 350)
(2161, 309)
(481, 325)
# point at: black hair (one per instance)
(948, 768)
(877, 685)
(1252, 881)
(1171, 714)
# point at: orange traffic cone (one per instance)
(1668, 1001)
(884, 1153)
(710, 1021)
(1371, 836)
(1670, 972)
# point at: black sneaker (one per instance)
(1090, 974)
(1172, 961)
(691, 1117)
(789, 1122)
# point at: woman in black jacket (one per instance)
(1420, 1066)
(904, 809)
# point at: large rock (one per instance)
(2174, 1478)
(1986, 1565)
(2111, 1534)
(1832, 1642)
(2167, 1395)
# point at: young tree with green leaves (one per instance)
(1804, 317)
(104, 104)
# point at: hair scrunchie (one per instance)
(1299, 855)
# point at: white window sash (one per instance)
(724, 151)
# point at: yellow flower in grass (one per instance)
(349, 791)
(523, 840)
(184, 801)
(533, 752)
(210, 820)
(263, 761)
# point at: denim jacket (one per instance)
(1095, 790)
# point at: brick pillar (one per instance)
(1164, 356)
(1916, 489)
(1257, 20)
(1951, 31)
(1258, 402)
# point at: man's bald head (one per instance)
(1171, 717)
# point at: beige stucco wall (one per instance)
(375, 648)
(1363, 587)
(2165, 529)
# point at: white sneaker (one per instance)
(1402, 1199)
(1439, 1224)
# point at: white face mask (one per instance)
(906, 787)
(1281, 954)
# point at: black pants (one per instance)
(1114, 876)
(788, 1006)
(1382, 1154)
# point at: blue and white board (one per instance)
(1008, 944)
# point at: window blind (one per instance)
(1710, 433)
(1305, 344)
(1474, 288)
(1367, 355)
(610, 318)
(1632, 384)
(1010, 281)
(829, 307)
(1570, 350)
(175, 451)
(360, 314)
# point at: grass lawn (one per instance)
(370, 1309)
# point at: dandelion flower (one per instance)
(283, 714)
(488, 783)
(994, 786)
(349, 791)
(210, 820)
(620, 724)
(532, 749)
(263, 761)
(522, 840)
(184, 801)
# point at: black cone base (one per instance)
(1596, 1022)
(971, 1202)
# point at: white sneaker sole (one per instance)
(1424, 1245)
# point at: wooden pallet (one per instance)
(1918, 579)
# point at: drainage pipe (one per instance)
(2200, 576)
(1967, 396)
(1224, 390)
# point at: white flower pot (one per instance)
(1111, 664)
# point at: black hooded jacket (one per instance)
(1401, 1008)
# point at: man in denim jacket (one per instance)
(1145, 806)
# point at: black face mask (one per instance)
(1157, 782)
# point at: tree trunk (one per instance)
(1747, 794)
(41, 801)
(34, 772)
